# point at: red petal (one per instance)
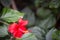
(22, 22)
(25, 22)
(22, 28)
(13, 27)
(18, 34)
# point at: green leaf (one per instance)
(10, 15)
(43, 13)
(38, 32)
(49, 34)
(28, 36)
(53, 34)
(3, 31)
(54, 4)
(47, 23)
(29, 15)
(56, 35)
(38, 2)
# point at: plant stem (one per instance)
(13, 5)
(11, 38)
(4, 23)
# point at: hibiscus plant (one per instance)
(39, 20)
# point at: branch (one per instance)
(13, 5)
(4, 23)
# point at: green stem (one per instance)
(4, 22)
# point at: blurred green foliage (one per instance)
(41, 14)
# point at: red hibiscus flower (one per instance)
(18, 29)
